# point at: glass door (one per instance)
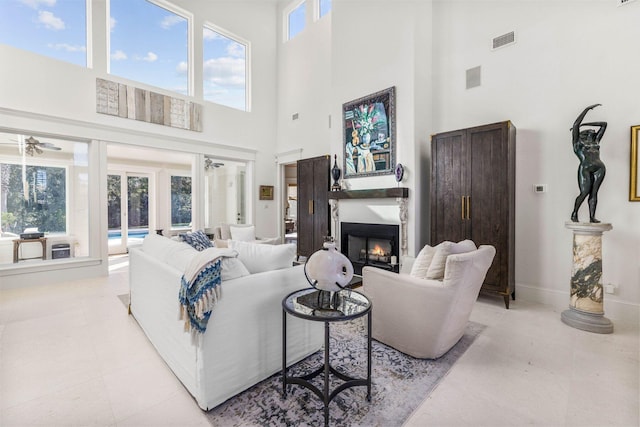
(128, 210)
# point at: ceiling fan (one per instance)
(32, 145)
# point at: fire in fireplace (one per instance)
(370, 244)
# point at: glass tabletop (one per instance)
(325, 306)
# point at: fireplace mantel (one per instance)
(401, 194)
(374, 193)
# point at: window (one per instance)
(33, 197)
(180, 201)
(44, 186)
(325, 7)
(57, 29)
(224, 69)
(225, 192)
(296, 20)
(149, 44)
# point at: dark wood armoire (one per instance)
(473, 195)
(313, 203)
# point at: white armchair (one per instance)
(422, 317)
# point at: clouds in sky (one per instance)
(150, 57)
(118, 55)
(50, 21)
(225, 71)
(35, 4)
(208, 34)
(171, 20)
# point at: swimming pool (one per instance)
(137, 233)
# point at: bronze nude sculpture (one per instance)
(586, 145)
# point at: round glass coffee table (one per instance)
(327, 307)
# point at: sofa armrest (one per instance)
(403, 293)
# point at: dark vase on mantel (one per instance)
(335, 174)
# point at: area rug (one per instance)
(400, 383)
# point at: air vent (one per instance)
(504, 40)
(623, 2)
(473, 77)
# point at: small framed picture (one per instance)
(266, 192)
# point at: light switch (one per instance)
(539, 188)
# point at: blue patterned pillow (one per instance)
(198, 240)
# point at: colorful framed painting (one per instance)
(369, 129)
(634, 182)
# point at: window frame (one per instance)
(316, 10)
(170, 7)
(247, 63)
(88, 41)
(181, 174)
(286, 14)
(51, 163)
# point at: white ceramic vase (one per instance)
(328, 269)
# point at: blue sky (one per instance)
(148, 44)
(47, 27)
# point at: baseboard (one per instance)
(617, 311)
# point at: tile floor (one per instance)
(70, 355)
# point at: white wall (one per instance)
(567, 55)
(304, 87)
(360, 48)
(386, 48)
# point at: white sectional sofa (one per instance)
(243, 341)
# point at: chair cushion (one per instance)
(243, 234)
(225, 230)
(423, 261)
(444, 249)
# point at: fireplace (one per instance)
(370, 244)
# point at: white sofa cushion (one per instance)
(259, 258)
(168, 251)
(443, 250)
(179, 255)
(232, 268)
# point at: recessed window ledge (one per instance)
(38, 267)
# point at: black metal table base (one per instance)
(326, 369)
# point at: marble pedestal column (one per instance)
(587, 297)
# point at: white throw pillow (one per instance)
(243, 234)
(444, 249)
(422, 262)
(232, 268)
(259, 258)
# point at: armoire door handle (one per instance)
(468, 207)
(310, 207)
(462, 208)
